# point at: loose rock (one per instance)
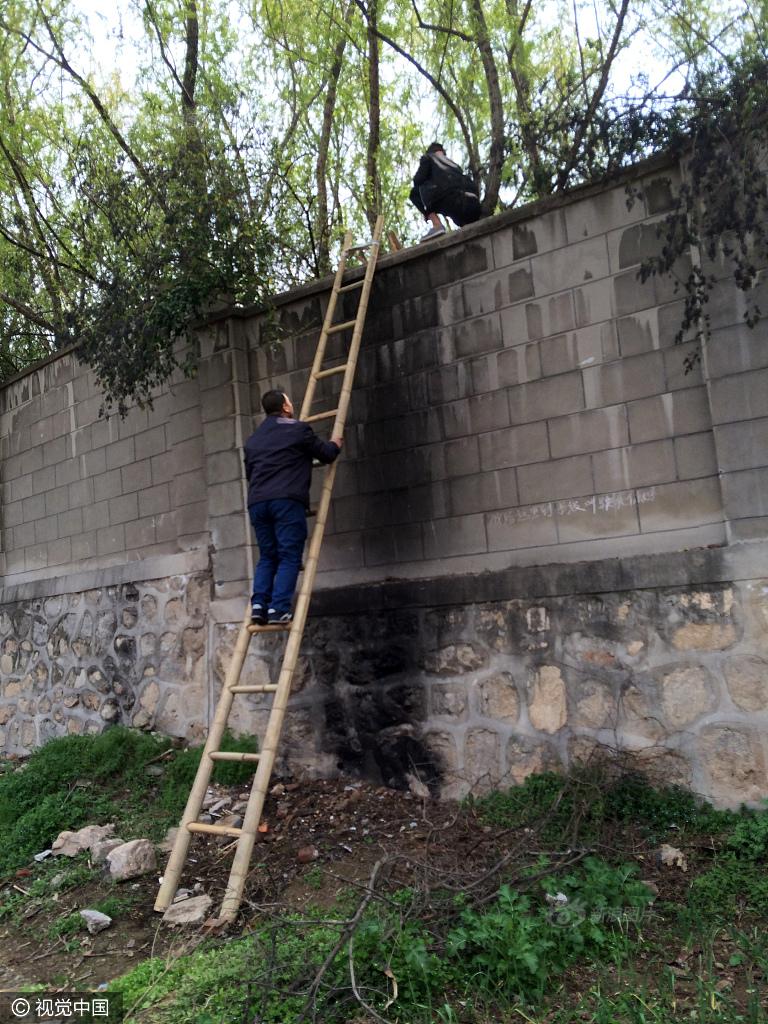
(132, 859)
(95, 921)
(190, 911)
(69, 844)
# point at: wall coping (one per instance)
(481, 228)
(184, 564)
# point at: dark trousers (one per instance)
(280, 526)
(462, 207)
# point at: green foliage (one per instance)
(180, 772)
(66, 784)
(749, 838)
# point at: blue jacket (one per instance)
(278, 459)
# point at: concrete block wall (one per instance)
(520, 400)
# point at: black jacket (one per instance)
(278, 459)
(436, 178)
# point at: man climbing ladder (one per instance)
(246, 835)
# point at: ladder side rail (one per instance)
(178, 855)
(354, 349)
(317, 363)
(242, 858)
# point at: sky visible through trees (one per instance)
(171, 153)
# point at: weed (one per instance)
(314, 878)
(67, 925)
(749, 838)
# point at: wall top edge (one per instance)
(182, 564)
(487, 226)
(694, 567)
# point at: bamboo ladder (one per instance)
(265, 759)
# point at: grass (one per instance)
(81, 780)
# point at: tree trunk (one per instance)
(372, 178)
(322, 227)
(496, 153)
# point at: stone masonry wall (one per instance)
(130, 654)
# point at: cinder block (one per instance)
(602, 515)
(46, 529)
(476, 415)
(123, 508)
(80, 493)
(550, 316)
(59, 552)
(341, 551)
(558, 478)
(514, 446)
(94, 462)
(120, 453)
(140, 534)
(107, 485)
(164, 467)
(88, 410)
(518, 365)
(743, 396)
(635, 466)
(96, 516)
(601, 214)
(639, 332)
(83, 546)
(13, 513)
(590, 431)
(682, 367)
(593, 303)
(230, 531)
(539, 234)
(570, 266)
(359, 512)
(736, 349)
(571, 351)
(631, 294)
(542, 399)
(187, 455)
(71, 523)
(745, 493)
(514, 325)
(110, 539)
(183, 425)
(482, 334)
(630, 246)
(216, 403)
(675, 506)
(35, 557)
(225, 466)
(669, 415)
(21, 487)
(624, 380)
(695, 455)
(393, 545)
(44, 480)
(462, 535)
(192, 518)
(34, 507)
(56, 501)
(219, 436)
(222, 498)
(150, 442)
(165, 527)
(24, 535)
(137, 476)
(56, 451)
(136, 422)
(155, 500)
(483, 491)
(449, 383)
(215, 371)
(670, 318)
(742, 445)
(67, 472)
(524, 527)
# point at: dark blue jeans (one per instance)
(280, 526)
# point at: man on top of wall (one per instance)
(440, 186)
(278, 465)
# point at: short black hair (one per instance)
(272, 402)
(436, 147)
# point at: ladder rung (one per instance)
(351, 287)
(327, 415)
(264, 688)
(233, 755)
(216, 830)
(342, 327)
(363, 245)
(329, 373)
(272, 627)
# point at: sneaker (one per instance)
(432, 233)
(276, 619)
(258, 615)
